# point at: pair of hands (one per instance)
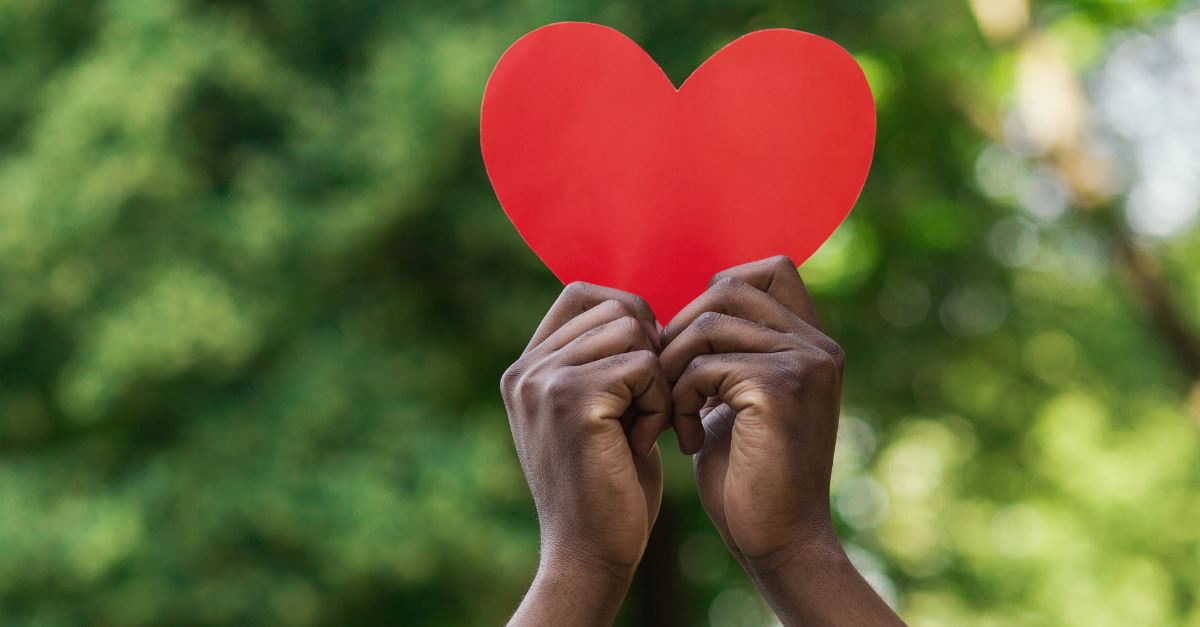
(752, 388)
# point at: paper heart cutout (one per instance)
(614, 177)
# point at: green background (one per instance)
(256, 295)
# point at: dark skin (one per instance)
(752, 388)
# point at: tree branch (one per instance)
(1147, 280)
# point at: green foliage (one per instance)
(255, 297)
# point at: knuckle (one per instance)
(838, 354)
(757, 396)
(576, 290)
(708, 321)
(821, 367)
(813, 364)
(510, 378)
(595, 418)
(640, 306)
(615, 306)
(628, 325)
(727, 284)
(555, 386)
(643, 359)
(782, 262)
(630, 330)
(785, 367)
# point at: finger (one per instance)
(585, 322)
(734, 297)
(706, 377)
(718, 429)
(579, 297)
(649, 472)
(611, 338)
(717, 376)
(712, 405)
(712, 461)
(637, 380)
(713, 333)
(777, 276)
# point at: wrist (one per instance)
(817, 543)
(563, 562)
(813, 582)
(572, 590)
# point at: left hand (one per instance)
(750, 355)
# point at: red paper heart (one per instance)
(614, 177)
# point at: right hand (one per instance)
(749, 358)
(586, 403)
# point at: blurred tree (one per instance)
(255, 297)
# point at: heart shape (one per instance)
(614, 177)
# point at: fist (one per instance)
(756, 394)
(586, 402)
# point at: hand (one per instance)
(757, 390)
(749, 353)
(586, 402)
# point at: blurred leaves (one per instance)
(255, 297)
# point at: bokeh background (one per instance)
(256, 295)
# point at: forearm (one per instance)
(572, 594)
(817, 585)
